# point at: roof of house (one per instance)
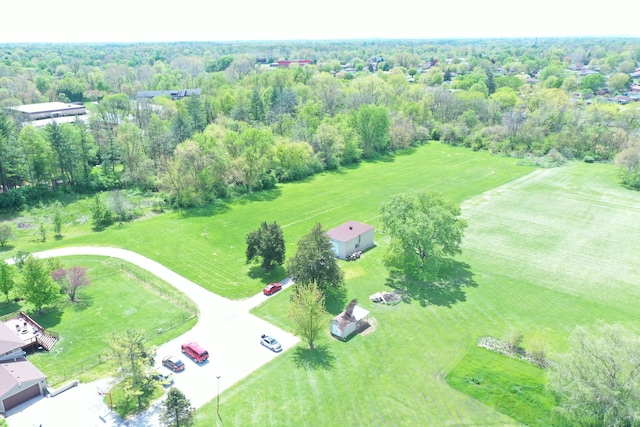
(353, 313)
(9, 341)
(348, 231)
(17, 371)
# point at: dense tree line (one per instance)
(255, 125)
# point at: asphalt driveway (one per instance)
(225, 328)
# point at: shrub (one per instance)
(588, 159)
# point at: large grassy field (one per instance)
(542, 254)
(207, 245)
(545, 250)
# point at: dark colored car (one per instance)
(173, 363)
(166, 380)
(271, 343)
(272, 288)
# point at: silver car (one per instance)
(271, 343)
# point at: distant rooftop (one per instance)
(46, 107)
(174, 94)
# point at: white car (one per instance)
(271, 343)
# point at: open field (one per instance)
(544, 251)
(542, 254)
(207, 245)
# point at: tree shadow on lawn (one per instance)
(445, 291)
(335, 300)
(259, 196)
(318, 358)
(215, 208)
(6, 248)
(81, 303)
(49, 318)
(8, 307)
(275, 275)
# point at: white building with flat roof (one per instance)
(49, 110)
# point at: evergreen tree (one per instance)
(266, 243)
(178, 411)
(315, 262)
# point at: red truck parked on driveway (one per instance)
(195, 351)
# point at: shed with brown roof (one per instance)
(352, 319)
(350, 237)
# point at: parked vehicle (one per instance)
(165, 380)
(195, 351)
(173, 363)
(272, 288)
(271, 343)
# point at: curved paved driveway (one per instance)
(225, 328)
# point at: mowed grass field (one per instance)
(208, 245)
(554, 249)
(545, 250)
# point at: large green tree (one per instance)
(7, 278)
(315, 262)
(592, 82)
(307, 311)
(133, 360)
(8, 155)
(6, 234)
(37, 286)
(371, 123)
(425, 229)
(597, 382)
(267, 244)
(177, 411)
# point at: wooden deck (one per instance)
(31, 333)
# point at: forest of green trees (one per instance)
(255, 124)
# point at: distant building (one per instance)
(285, 62)
(48, 110)
(174, 94)
(351, 237)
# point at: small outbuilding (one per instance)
(351, 320)
(351, 237)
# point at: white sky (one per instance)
(218, 20)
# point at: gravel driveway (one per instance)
(225, 328)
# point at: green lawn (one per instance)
(542, 254)
(113, 302)
(207, 245)
(514, 387)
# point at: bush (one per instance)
(588, 159)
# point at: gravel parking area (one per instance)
(225, 328)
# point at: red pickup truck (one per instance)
(195, 351)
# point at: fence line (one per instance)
(100, 358)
